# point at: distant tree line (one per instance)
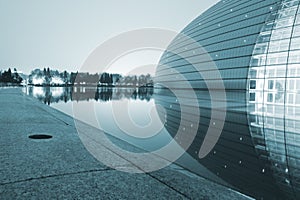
(47, 77)
(130, 80)
(10, 77)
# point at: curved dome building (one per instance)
(255, 46)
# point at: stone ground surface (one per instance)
(62, 168)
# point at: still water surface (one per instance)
(110, 107)
(233, 162)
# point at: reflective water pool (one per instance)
(112, 108)
(151, 119)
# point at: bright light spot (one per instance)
(56, 81)
(38, 92)
(38, 80)
(57, 92)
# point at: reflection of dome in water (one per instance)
(256, 47)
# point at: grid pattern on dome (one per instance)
(274, 95)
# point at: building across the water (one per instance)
(255, 47)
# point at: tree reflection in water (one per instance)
(49, 95)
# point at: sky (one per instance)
(61, 34)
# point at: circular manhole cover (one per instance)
(40, 136)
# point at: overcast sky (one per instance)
(62, 33)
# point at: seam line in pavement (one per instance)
(56, 175)
(169, 186)
(129, 161)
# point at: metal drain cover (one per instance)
(40, 137)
